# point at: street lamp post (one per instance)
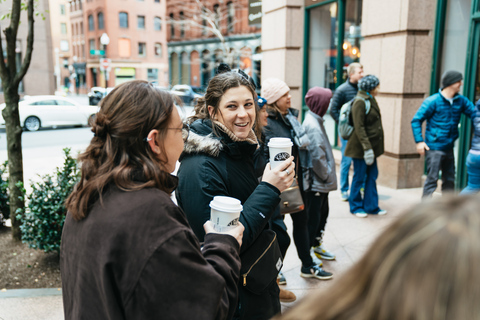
(105, 40)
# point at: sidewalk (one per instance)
(346, 235)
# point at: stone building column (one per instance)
(282, 42)
(397, 47)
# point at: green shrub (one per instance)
(42, 221)
(4, 194)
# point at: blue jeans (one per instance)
(344, 167)
(363, 174)
(473, 170)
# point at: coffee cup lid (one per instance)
(280, 143)
(226, 204)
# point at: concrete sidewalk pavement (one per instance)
(346, 235)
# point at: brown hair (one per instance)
(118, 149)
(217, 87)
(424, 266)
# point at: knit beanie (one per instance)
(450, 77)
(318, 99)
(368, 83)
(261, 101)
(273, 89)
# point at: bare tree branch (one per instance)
(28, 55)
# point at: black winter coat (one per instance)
(344, 93)
(214, 165)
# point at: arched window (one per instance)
(216, 11)
(91, 24)
(182, 25)
(100, 22)
(123, 19)
(157, 24)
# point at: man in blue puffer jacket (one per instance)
(442, 112)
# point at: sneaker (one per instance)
(382, 212)
(281, 278)
(315, 272)
(323, 253)
(361, 214)
(344, 196)
(315, 259)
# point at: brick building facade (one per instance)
(199, 38)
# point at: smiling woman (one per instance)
(218, 160)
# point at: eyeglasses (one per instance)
(185, 132)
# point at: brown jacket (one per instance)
(136, 257)
(368, 129)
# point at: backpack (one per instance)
(345, 124)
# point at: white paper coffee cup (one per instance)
(225, 212)
(280, 150)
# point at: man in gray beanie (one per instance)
(442, 112)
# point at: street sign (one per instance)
(97, 52)
(105, 64)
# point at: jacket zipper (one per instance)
(253, 265)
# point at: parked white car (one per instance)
(51, 111)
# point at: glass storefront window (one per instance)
(323, 46)
(455, 39)
(353, 34)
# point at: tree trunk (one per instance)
(15, 158)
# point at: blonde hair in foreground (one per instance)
(424, 266)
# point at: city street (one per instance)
(43, 150)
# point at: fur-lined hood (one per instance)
(209, 144)
(202, 140)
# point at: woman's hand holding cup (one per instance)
(236, 232)
(281, 176)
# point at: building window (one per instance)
(182, 25)
(63, 28)
(91, 45)
(62, 9)
(141, 22)
(123, 17)
(74, 31)
(158, 49)
(101, 24)
(152, 74)
(64, 46)
(81, 27)
(142, 49)
(157, 24)
(204, 21)
(216, 11)
(230, 16)
(172, 26)
(91, 24)
(157, 1)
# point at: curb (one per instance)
(30, 293)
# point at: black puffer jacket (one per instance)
(344, 93)
(214, 165)
(217, 166)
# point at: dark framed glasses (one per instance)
(185, 132)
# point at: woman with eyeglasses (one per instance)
(127, 250)
(218, 160)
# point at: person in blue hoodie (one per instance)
(442, 112)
